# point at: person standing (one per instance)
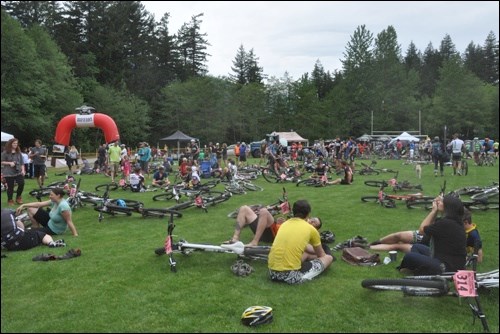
(13, 170)
(114, 153)
(144, 157)
(437, 152)
(74, 154)
(456, 146)
(27, 163)
(39, 156)
(101, 157)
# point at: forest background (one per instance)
(113, 55)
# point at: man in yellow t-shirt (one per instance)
(297, 254)
(114, 153)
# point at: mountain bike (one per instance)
(202, 199)
(466, 285)
(186, 248)
(116, 207)
(389, 200)
(396, 186)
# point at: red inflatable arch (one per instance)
(102, 121)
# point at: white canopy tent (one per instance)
(405, 137)
(6, 136)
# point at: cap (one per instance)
(123, 145)
(217, 144)
(436, 138)
(161, 167)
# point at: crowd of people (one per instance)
(441, 243)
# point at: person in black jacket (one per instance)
(15, 237)
(446, 251)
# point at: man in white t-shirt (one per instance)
(456, 146)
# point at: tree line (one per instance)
(114, 56)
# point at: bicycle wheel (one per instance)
(236, 190)
(269, 175)
(481, 205)
(128, 202)
(378, 184)
(182, 206)
(252, 187)
(102, 187)
(368, 172)
(163, 197)
(307, 182)
(40, 192)
(425, 204)
(114, 210)
(412, 287)
(386, 202)
(57, 184)
(160, 213)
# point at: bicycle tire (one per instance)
(57, 184)
(160, 213)
(102, 187)
(269, 175)
(114, 210)
(182, 205)
(412, 287)
(378, 184)
(216, 197)
(308, 182)
(236, 190)
(163, 197)
(252, 187)
(480, 205)
(425, 204)
(40, 192)
(386, 202)
(129, 203)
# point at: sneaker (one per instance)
(10, 202)
(57, 243)
(19, 200)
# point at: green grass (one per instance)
(120, 285)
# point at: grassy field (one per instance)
(120, 285)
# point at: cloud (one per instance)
(292, 36)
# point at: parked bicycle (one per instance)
(466, 285)
(396, 186)
(389, 200)
(186, 248)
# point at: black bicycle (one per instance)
(466, 283)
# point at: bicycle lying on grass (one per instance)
(396, 186)
(186, 248)
(466, 283)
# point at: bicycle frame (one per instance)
(466, 284)
(184, 247)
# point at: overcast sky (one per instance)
(291, 36)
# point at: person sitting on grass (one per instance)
(137, 181)
(290, 259)
(348, 175)
(262, 223)
(447, 237)
(15, 237)
(57, 220)
(160, 178)
(404, 240)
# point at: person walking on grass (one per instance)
(38, 155)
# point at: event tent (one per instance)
(6, 136)
(405, 137)
(291, 137)
(177, 137)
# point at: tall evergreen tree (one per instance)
(490, 61)
(192, 48)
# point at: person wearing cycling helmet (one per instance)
(297, 254)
